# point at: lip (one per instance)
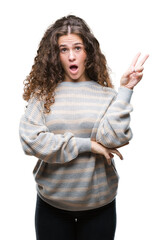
(73, 70)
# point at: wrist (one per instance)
(127, 86)
(92, 145)
(83, 144)
(124, 94)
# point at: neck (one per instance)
(83, 78)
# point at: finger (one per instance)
(128, 73)
(137, 78)
(138, 75)
(108, 157)
(117, 153)
(139, 69)
(133, 70)
(135, 60)
(143, 60)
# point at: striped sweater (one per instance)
(68, 175)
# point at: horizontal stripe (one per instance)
(71, 171)
(80, 193)
(83, 121)
(79, 200)
(77, 171)
(73, 185)
(76, 112)
(76, 132)
(74, 206)
(71, 121)
(77, 96)
(87, 89)
(77, 105)
(83, 179)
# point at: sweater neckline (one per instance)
(83, 83)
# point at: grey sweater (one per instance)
(68, 175)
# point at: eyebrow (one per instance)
(64, 45)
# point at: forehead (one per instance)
(69, 39)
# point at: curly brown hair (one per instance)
(47, 70)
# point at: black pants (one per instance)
(56, 224)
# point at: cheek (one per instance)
(83, 58)
(62, 61)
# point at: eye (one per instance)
(78, 48)
(63, 50)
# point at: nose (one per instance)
(71, 56)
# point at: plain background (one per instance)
(123, 28)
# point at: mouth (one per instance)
(73, 68)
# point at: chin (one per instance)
(75, 79)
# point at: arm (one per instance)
(37, 141)
(114, 129)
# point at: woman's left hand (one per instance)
(134, 73)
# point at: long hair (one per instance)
(47, 70)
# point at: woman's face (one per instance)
(72, 56)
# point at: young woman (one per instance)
(73, 124)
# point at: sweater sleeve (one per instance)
(114, 128)
(38, 141)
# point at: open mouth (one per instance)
(73, 68)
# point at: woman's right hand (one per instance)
(134, 74)
(106, 152)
